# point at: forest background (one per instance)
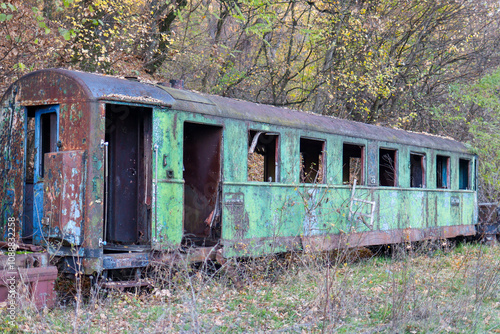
(421, 65)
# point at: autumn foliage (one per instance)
(385, 62)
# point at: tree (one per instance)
(476, 120)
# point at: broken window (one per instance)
(387, 168)
(442, 172)
(263, 156)
(353, 164)
(463, 174)
(311, 160)
(48, 136)
(417, 170)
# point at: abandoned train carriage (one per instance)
(114, 172)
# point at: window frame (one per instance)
(448, 172)
(41, 137)
(423, 165)
(362, 163)
(395, 166)
(469, 168)
(321, 162)
(252, 145)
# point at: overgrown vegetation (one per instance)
(431, 288)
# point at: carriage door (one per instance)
(46, 137)
(202, 186)
(128, 184)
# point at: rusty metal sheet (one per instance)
(37, 282)
(129, 199)
(89, 86)
(124, 155)
(336, 241)
(11, 162)
(190, 255)
(27, 260)
(21, 246)
(64, 196)
(125, 260)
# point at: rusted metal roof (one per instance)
(98, 87)
(101, 87)
(233, 108)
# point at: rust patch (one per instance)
(64, 195)
(251, 246)
(336, 241)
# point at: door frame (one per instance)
(38, 180)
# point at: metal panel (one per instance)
(11, 162)
(372, 161)
(168, 190)
(129, 199)
(63, 196)
(123, 180)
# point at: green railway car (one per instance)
(110, 173)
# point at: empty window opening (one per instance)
(464, 174)
(202, 190)
(311, 160)
(263, 156)
(129, 180)
(387, 168)
(417, 170)
(353, 164)
(48, 136)
(442, 172)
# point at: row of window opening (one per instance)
(263, 163)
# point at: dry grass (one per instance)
(408, 290)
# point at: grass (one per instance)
(406, 291)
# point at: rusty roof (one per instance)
(103, 87)
(98, 87)
(244, 110)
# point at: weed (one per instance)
(405, 290)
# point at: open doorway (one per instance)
(128, 188)
(42, 134)
(202, 187)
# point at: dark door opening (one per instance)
(202, 187)
(42, 134)
(129, 183)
